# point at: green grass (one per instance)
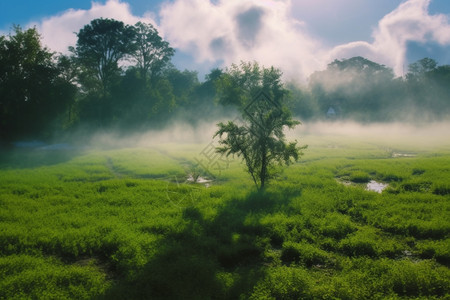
(125, 224)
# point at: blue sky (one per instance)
(24, 11)
(299, 36)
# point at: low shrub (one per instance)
(359, 177)
(418, 279)
(389, 177)
(438, 250)
(25, 276)
(441, 189)
(422, 186)
(284, 283)
(304, 254)
(334, 225)
(417, 171)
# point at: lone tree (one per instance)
(259, 140)
(100, 46)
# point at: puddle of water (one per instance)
(376, 186)
(395, 154)
(199, 179)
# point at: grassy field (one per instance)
(125, 224)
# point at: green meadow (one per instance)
(127, 224)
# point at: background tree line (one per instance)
(365, 91)
(120, 77)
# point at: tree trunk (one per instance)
(263, 174)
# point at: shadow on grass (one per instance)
(221, 258)
(33, 158)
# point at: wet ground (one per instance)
(376, 186)
(199, 179)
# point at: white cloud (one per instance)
(266, 31)
(58, 32)
(235, 30)
(409, 22)
(228, 31)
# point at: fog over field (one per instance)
(420, 135)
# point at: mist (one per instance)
(425, 136)
(421, 135)
(177, 133)
(365, 91)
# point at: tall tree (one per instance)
(427, 87)
(422, 66)
(260, 141)
(100, 46)
(357, 87)
(32, 92)
(151, 52)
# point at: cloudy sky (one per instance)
(298, 36)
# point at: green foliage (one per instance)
(362, 90)
(151, 52)
(33, 95)
(422, 66)
(305, 254)
(261, 141)
(370, 242)
(441, 189)
(100, 46)
(352, 86)
(25, 276)
(139, 97)
(284, 283)
(360, 177)
(240, 83)
(45, 95)
(438, 250)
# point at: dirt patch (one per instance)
(101, 264)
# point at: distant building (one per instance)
(331, 113)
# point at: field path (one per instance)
(110, 166)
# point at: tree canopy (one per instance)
(33, 94)
(100, 46)
(151, 52)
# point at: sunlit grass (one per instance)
(126, 223)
